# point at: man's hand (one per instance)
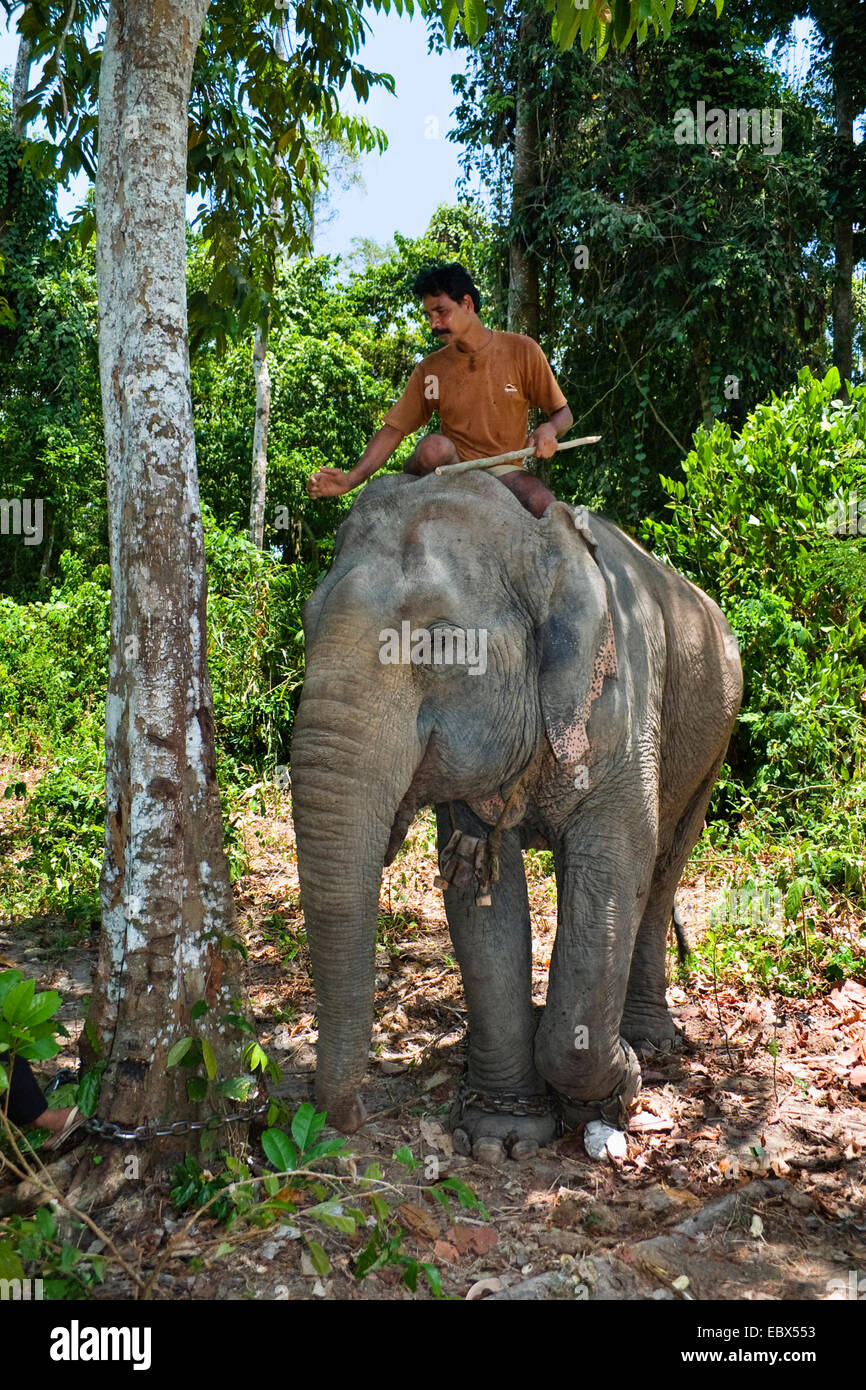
(329, 482)
(544, 439)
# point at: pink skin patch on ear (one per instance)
(569, 741)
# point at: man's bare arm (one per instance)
(333, 482)
(544, 436)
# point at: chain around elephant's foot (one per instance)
(613, 1109)
(492, 1126)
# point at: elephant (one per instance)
(595, 726)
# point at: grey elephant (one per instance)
(587, 707)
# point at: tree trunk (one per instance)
(260, 438)
(167, 903)
(523, 266)
(843, 239)
(21, 86)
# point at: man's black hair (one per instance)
(452, 280)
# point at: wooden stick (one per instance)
(515, 454)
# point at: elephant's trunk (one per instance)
(353, 757)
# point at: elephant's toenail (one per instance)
(460, 1139)
(489, 1150)
(524, 1149)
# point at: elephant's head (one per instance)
(423, 570)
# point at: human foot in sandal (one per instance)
(61, 1123)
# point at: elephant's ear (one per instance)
(574, 633)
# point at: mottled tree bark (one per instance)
(260, 438)
(20, 86)
(166, 896)
(523, 267)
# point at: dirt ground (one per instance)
(744, 1173)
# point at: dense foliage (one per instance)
(702, 264)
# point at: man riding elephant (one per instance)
(482, 383)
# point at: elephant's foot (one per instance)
(651, 1031)
(612, 1109)
(493, 1126)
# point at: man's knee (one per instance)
(529, 490)
(431, 452)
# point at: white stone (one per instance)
(603, 1141)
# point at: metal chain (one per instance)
(109, 1129)
(507, 1103)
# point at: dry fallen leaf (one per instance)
(444, 1250)
(647, 1123)
(418, 1222)
(436, 1137)
(475, 1239)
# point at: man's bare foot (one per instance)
(54, 1120)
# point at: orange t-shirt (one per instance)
(482, 397)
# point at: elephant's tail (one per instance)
(684, 945)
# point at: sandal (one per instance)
(73, 1120)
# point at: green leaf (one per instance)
(306, 1125)
(831, 380)
(210, 1061)
(40, 1050)
(474, 20)
(196, 1089)
(794, 897)
(380, 1207)
(10, 1265)
(621, 19)
(321, 1263)
(450, 16)
(236, 1087)
(178, 1052)
(88, 1092)
(280, 1150)
(405, 1158)
(44, 1006)
(238, 1021)
(434, 1279)
(46, 1223)
(18, 1001)
(199, 1007)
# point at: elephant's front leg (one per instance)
(604, 864)
(504, 1100)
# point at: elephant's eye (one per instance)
(445, 646)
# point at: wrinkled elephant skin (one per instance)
(587, 706)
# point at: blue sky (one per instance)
(419, 170)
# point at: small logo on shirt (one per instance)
(509, 387)
(431, 388)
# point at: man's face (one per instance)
(447, 319)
